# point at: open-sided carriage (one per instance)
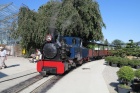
(98, 50)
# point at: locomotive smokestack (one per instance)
(53, 33)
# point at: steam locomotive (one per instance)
(60, 54)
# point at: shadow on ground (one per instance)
(13, 65)
(2, 75)
(114, 84)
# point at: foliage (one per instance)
(27, 28)
(33, 26)
(125, 74)
(106, 42)
(108, 58)
(69, 17)
(121, 52)
(136, 62)
(131, 49)
(116, 60)
(111, 59)
(131, 63)
(130, 44)
(80, 18)
(137, 73)
(117, 43)
(91, 46)
(124, 62)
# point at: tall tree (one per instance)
(81, 18)
(27, 28)
(91, 19)
(70, 17)
(47, 17)
(33, 26)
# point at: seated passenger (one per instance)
(37, 56)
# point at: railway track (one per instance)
(45, 86)
(16, 77)
(36, 84)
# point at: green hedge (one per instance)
(122, 61)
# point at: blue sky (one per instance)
(122, 17)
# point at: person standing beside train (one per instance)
(38, 54)
(3, 57)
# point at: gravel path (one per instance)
(111, 78)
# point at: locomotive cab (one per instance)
(77, 51)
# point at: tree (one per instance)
(118, 43)
(70, 18)
(27, 28)
(81, 18)
(132, 48)
(131, 44)
(106, 42)
(33, 26)
(48, 14)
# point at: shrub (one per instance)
(137, 73)
(130, 62)
(111, 59)
(136, 62)
(123, 61)
(115, 60)
(125, 74)
(119, 59)
(107, 58)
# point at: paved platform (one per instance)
(88, 78)
(16, 65)
(111, 78)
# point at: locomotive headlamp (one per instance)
(48, 38)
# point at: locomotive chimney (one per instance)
(53, 33)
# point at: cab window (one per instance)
(80, 42)
(73, 41)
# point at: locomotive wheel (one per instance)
(69, 66)
(73, 65)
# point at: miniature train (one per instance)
(61, 53)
